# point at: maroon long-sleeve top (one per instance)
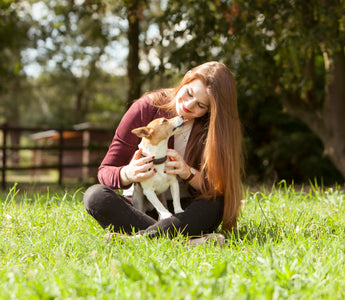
(125, 143)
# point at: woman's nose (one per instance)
(189, 103)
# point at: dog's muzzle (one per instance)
(181, 119)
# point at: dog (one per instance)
(154, 142)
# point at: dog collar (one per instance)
(158, 161)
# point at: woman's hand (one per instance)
(139, 169)
(176, 165)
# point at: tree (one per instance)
(287, 56)
(14, 27)
(140, 16)
(73, 42)
(287, 50)
(300, 48)
(134, 10)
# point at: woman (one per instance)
(206, 156)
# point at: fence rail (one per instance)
(80, 149)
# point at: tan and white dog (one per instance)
(154, 142)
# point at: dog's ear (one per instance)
(143, 132)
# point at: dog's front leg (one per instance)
(162, 211)
(175, 193)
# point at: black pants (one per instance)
(115, 211)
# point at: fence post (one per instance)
(86, 137)
(4, 155)
(61, 145)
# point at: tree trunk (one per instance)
(334, 111)
(79, 105)
(329, 123)
(133, 72)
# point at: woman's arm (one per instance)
(124, 144)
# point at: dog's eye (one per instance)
(164, 121)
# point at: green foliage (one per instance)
(67, 42)
(286, 53)
(285, 35)
(279, 146)
(194, 27)
(55, 103)
(276, 49)
(289, 245)
(79, 39)
(15, 23)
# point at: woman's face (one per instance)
(192, 100)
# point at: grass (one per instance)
(290, 244)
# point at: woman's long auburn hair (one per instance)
(221, 158)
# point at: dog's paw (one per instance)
(164, 215)
(177, 211)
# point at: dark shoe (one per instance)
(217, 239)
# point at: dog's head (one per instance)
(159, 129)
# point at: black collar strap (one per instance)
(158, 161)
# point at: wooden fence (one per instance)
(80, 149)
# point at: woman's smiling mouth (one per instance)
(185, 109)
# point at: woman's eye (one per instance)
(201, 106)
(189, 93)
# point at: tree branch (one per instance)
(312, 117)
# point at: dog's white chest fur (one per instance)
(160, 182)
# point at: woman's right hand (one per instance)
(139, 169)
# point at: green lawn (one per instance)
(289, 245)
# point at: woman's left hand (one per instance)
(176, 165)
